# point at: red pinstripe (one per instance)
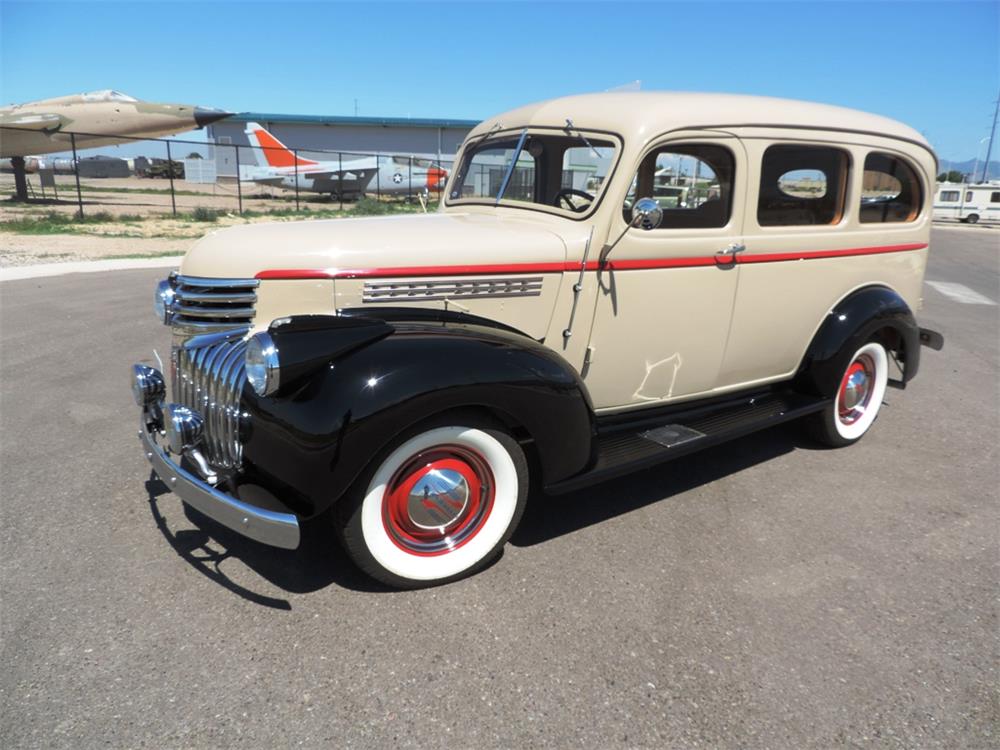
(614, 265)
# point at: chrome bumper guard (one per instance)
(269, 527)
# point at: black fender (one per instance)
(854, 320)
(309, 441)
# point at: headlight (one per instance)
(262, 364)
(162, 300)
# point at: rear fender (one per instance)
(853, 321)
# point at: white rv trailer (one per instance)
(968, 203)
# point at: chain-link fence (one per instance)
(199, 179)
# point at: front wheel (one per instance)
(436, 506)
(857, 401)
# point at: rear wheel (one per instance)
(437, 505)
(971, 218)
(857, 401)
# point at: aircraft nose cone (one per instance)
(204, 116)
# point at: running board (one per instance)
(623, 451)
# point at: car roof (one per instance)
(644, 114)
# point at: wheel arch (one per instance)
(317, 438)
(875, 311)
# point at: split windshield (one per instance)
(561, 169)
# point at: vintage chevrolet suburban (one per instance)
(611, 281)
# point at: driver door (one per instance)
(665, 296)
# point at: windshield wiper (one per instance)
(513, 163)
(570, 127)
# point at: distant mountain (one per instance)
(993, 173)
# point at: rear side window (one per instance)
(801, 185)
(949, 196)
(994, 197)
(968, 196)
(890, 191)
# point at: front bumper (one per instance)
(269, 527)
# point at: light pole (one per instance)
(993, 131)
(979, 150)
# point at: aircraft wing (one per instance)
(30, 121)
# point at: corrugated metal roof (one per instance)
(385, 122)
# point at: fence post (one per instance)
(76, 171)
(378, 182)
(340, 174)
(170, 174)
(409, 181)
(295, 155)
(239, 182)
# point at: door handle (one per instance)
(728, 254)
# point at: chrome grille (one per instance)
(468, 288)
(207, 304)
(208, 375)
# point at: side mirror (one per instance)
(646, 214)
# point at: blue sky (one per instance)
(933, 65)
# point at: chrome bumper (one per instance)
(269, 527)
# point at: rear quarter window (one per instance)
(802, 185)
(890, 191)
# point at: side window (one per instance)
(801, 185)
(968, 196)
(890, 190)
(949, 196)
(693, 183)
(994, 197)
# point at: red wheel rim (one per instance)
(438, 500)
(856, 390)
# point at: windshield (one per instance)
(560, 169)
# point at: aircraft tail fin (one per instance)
(272, 152)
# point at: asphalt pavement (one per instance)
(763, 594)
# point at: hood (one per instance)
(437, 239)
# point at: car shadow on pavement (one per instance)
(551, 516)
(319, 561)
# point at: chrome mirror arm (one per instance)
(646, 213)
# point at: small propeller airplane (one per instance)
(279, 166)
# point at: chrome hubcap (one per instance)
(856, 389)
(438, 499)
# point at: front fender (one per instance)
(310, 443)
(852, 322)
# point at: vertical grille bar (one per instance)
(210, 379)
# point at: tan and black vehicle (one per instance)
(611, 281)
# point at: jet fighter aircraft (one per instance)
(279, 166)
(98, 118)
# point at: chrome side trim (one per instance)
(471, 288)
(269, 527)
(211, 283)
(210, 304)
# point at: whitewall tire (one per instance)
(437, 506)
(857, 400)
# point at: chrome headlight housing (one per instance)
(262, 366)
(148, 386)
(163, 299)
(184, 427)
